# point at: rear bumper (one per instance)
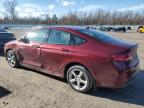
(127, 77)
(111, 78)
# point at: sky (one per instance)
(27, 8)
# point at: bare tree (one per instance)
(10, 8)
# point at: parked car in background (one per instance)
(83, 56)
(4, 38)
(103, 29)
(129, 28)
(113, 29)
(2, 30)
(119, 29)
(140, 29)
(4, 27)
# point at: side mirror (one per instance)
(24, 40)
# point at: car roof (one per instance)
(6, 33)
(68, 27)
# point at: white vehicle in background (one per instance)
(37, 27)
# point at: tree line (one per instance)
(95, 17)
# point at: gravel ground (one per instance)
(25, 88)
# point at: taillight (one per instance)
(122, 57)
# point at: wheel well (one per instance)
(69, 65)
(8, 50)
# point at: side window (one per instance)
(37, 36)
(78, 40)
(59, 37)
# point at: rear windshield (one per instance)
(99, 35)
(6, 36)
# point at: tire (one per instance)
(12, 59)
(80, 79)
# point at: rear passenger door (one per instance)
(57, 51)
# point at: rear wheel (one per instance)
(79, 78)
(12, 59)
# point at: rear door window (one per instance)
(59, 37)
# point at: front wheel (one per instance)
(79, 78)
(12, 59)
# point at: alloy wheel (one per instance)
(11, 58)
(78, 79)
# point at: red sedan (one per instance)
(85, 57)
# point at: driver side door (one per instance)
(29, 51)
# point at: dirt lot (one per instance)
(24, 88)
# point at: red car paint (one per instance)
(104, 60)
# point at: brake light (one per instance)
(122, 57)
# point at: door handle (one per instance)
(36, 46)
(65, 50)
